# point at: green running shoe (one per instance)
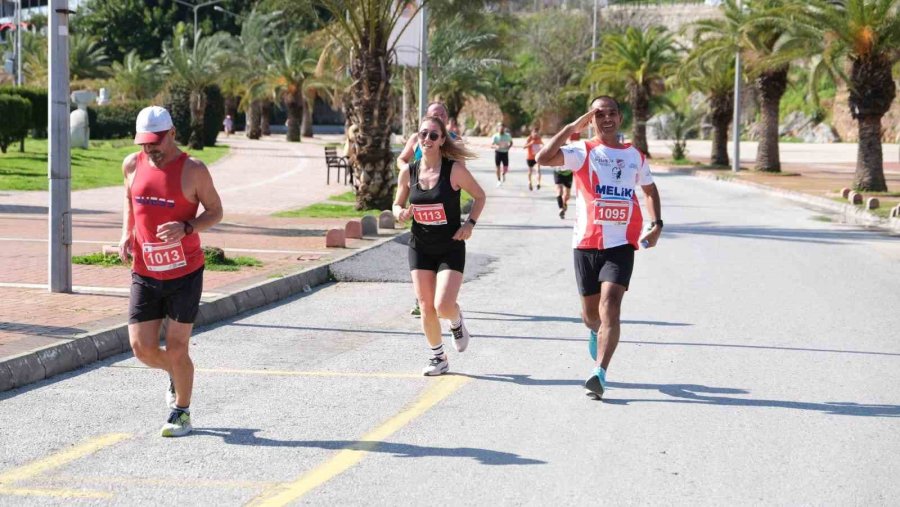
(592, 345)
(416, 311)
(595, 386)
(178, 425)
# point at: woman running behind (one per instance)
(437, 249)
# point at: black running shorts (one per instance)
(178, 299)
(453, 256)
(531, 163)
(562, 179)
(611, 265)
(501, 158)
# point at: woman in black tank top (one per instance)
(437, 248)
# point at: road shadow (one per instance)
(517, 317)
(39, 330)
(703, 395)
(246, 436)
(521, 380)
(231, 228)
(523, 227)
(817, 236)
(21, 209)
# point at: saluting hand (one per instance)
(583, 121)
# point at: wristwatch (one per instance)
(188, 228)
(472, 221)
(658, 222)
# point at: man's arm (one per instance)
(654, 208)
(406, 155)
(201, 183)
(128, 166)
(550, 155)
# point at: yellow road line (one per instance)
(57, 493)
(61, 458)
(196, 483)
(289, 373)
(346, 458)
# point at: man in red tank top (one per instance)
(607, 224)
(163, 190)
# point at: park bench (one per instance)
(337, 162)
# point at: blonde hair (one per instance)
(454, 150)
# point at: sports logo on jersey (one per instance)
(617, 170)
(154, 201)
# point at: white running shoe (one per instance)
(170, 395)
(178, 424)
(460, 335)
(437, 365)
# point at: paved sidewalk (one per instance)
(256, 179)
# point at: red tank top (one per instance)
(157, 198)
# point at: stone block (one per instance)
(334, 238)
(895, 212)
(59, 359)
(872, 203)
(353, 229)
(26, 369)
(845, 193)
(369, 225)
(6, 378)
(107, 344)
(386, 220)
(855, 198)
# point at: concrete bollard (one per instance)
(872, 203)
(855, 198)
(895, 213)
(386, 220)
(845, 193)
(334, 238)
(369, 225)
(353, 229)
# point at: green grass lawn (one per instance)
(334, 210)
(98, 166)
(212, 264)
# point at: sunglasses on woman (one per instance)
(430, 134)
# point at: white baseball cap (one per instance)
(152, 125)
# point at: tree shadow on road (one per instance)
(700, 394)
(246, 436)
(518, 317)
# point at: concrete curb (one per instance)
(87, 348)
(847, 213)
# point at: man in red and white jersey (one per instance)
(608, 222)
(163, 190)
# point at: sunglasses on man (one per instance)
(430, 134)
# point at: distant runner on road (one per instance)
(160, 226)
(437, 248)
(501, 143)
(532, 146)
(607, 223)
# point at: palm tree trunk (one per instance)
(771, 87)
(294, 104)
(640, 105)
(370, 95)
(722, 107)
(252, 126)
(306, 129)
(265, 114)
(198, 107)
(869, 163)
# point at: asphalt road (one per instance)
(758, 365)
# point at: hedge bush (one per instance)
(37, 97)
(214, 116)
(179, 106)
(114, 121)
(16, 113)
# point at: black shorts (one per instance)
(562, 179)
(611, 265)
(531, 163)
(453, 256)
(178, 299)
(501, 158)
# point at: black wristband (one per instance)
(188, 228)
(658, 222)
(472, 221)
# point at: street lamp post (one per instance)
(423, 64)
(58, 161)
(197, 8)
(736, 128)
(18, 43)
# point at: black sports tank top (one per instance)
(436, 213)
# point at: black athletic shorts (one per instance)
(531, 163)
(611, 265)
(562, 179)
(178, 299)
(501, 158)
(453, 256)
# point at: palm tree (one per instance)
(866, 35)
(714, 77)
(460, 63)
(87, 58)
(290, 65)
(136, 79)
(364, 27)
(642, 60)
(763, 32)
(195, 67)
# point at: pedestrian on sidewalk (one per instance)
(428, 191)
(412, 151)
(608, 223)
(163, 189)
(532, 146)
(501, 143)
(228, 125)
